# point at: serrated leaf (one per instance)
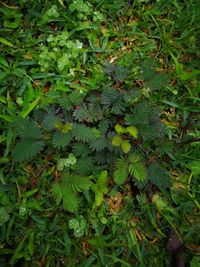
(83, 133)
(50, 121)
(117, 140)
(61, 140)
(134, 158)
(27, 129)
(99, 144)
(70, 200)
(97, 133)
(132, 131)
(77, 183)
(126, 146)
(84, 165)
(81, 150)
(119, 129)
(26, 149)
(138, 171)
(158, 176)
(121, 171)
(67, 127)
(66, 191)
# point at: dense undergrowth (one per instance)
(100, 132)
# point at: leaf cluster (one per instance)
(99, 132)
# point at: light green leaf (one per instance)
(160, 203)
(98, 198)
(6, 42)
(179, 66)
(30, 246)
(102, 180)
(104, 43)
(126, 146)
(67, 127)
(189, 75)
(194, 166)
(195, 262)
(121, 171)
(2, 99)
(140, 172)
(119, 129)
(4, 62)
(6, 118)
(29, 193)
(183, 75)
(30, 107)
(17, 253)
(132, 131)
(117, 140)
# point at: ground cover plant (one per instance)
(100, 133)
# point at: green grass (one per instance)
(99, 132)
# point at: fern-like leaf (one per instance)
(66, 191)
(118, 73)
(136, 167)
(64, 102)
(119, 107)
(84, 165)
(147, 68)
(83, 133)
(140, 114)
(88, 113)
(26, 149)
(81, 149)
(121, 171)
(138, 171)
(61, 140)
(110, 95)
(153, 80)
(104, 126)
(157, 81)
(38, 115)
(159, 176)
(131, 96)
(76, 183)
(50, 121)
(156, 130)
(106, 157)
(99, 144)
(80, 113)
(146, 119)
(57, 192)
(64, 194)
(76, 97)
(27, 129)
(70, 199)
